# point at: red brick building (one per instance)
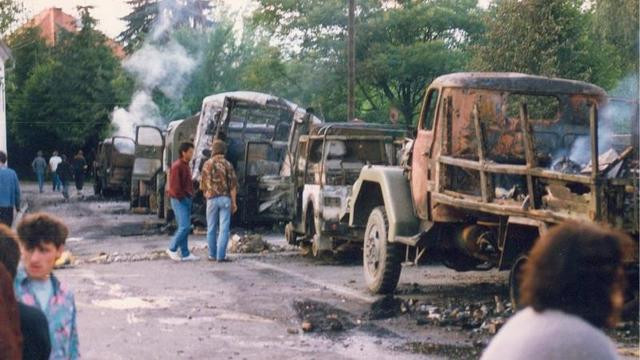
(52, 20)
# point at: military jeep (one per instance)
(327, 163)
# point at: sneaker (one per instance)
(211, 258)
(173, 255)
(191, 257)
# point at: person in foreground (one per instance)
(36, 344)
(220, 187)
(42, 238)
(572, 287)
(181, 194)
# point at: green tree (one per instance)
(10, 13)
(551, 38)
(616, 22)
(145, 15)
(401, 47)
(66, 101)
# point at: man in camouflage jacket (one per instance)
(219, 185)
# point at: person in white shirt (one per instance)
(54, 161)
(572, 287)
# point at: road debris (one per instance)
(248, 243)
(320, 317)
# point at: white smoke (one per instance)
(613, 119)
(160, 64)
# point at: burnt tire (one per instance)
(381, 259)
(515, 280)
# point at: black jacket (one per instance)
(36, 344)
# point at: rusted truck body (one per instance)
(177, 132)
(326, 164)
(498, 159)
(113, 165)
(261, 131)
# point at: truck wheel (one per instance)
(515, 279)
(381, 259)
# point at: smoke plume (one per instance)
(161, 64)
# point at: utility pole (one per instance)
(351, 50)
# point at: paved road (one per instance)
(144, 306)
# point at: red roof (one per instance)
(52, 20)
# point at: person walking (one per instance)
(220, 187)
(54, 161)
(39, 166)
(9, 192)
(181, 193)
(79, 168)
(65, 172)
(572, 287)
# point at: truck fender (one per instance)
(384, 185)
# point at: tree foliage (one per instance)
(65, 100)
(550, 38)
(148, 14)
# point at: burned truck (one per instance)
(326, 164)
(113, 165)
(149, 147)
(498, 159)
(261, 131)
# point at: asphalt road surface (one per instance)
(135, 303)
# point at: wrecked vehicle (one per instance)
(261, 131)
(149, 147)
(326, 164)
(178, 131)
(483, 180)
(113, 165)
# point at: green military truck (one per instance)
(498, 158)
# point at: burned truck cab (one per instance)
(497, 160)
(113, 165)
(259, 129)
(326, 165)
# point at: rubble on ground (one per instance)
(486, 316)
(321, 317)
(248, 244)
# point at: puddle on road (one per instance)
(130, 303)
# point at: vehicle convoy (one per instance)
(261, 131)
(113, 165)
(326, 164)
(498, 159)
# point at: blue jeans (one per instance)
(218, 222)
(40, 177)
(182, 210)
(57, 184)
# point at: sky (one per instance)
(109, 12)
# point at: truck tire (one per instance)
(381, 259)
(515, 280)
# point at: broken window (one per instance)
(431, 108)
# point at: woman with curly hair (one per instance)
(572, 287)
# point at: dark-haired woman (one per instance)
(572, 287)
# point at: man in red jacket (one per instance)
(181, 193)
